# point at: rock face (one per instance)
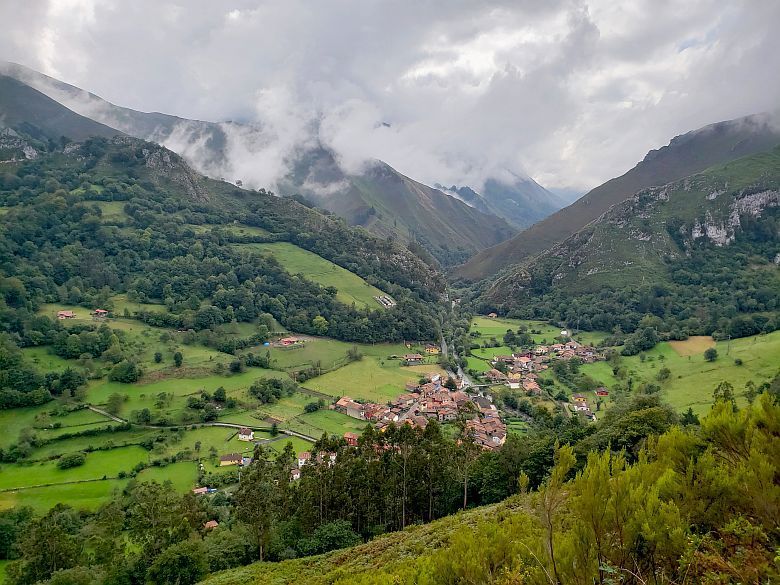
(15, 148)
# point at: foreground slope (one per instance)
(683, 156)
(698, 504)
(379, 198)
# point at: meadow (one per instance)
(351, 287)
(371, 379)
(693, 379)
(488, 328)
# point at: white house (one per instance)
(246, 434)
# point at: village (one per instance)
(521, 370)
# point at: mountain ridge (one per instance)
(685, 155)
(388, 204)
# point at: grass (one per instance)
(371, 379)
(87, 496)
(488, 328)
(98, 465)
(693, 345)
(388, 552)
(489, 353)
(329, 421)
(693, 379)
(351, 287)
(235, 229)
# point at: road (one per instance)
(460, 374)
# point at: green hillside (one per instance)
(698, 256)
(351, 288)
(385, 202)
(685, 155)
(391, 205)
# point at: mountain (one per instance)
(683, 156)
(381, 199)
(699, 255)
(27, 110)
(520, 201)
(390, 204)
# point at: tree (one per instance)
(320, 325)
(49, 544)
(552, 497)
(158, 357)
(220, 395)
(114, 403)
(126, 372)
(178, 358)
(724, 392)
(71, 460)
(711, 354)
(254, 500)
(330, 536)
(183, 563)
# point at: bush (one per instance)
(71, 460)
(711, 354)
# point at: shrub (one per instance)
(71, 460)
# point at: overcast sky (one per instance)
(452, 91)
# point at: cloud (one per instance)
(450, 91)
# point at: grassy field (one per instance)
(488, 353)
(351, 287)
(3, 564)
(330, 353)
(328, 421)
(235, 229)
(86, 496)
(371, 379)
(477, 364)
(693, 345)
(693, 379)
(488, 328)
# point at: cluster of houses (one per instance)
(289, 342)
(580, 405)
(488, 430)
(521, 369)
(97, 314)
(430, 400)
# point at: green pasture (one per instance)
(693, 379)
(98, 465)
(235, 229)
(488, 353)
(299, 445)
(328, 421)
(87, 496)
(371, 379)
(489, 328)
(351, 287)
(477, 364)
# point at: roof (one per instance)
(244, 431)
(305, 455)
(101, 311)
(211, 524)
(350, 435)
(231, 457)
(413, 356)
